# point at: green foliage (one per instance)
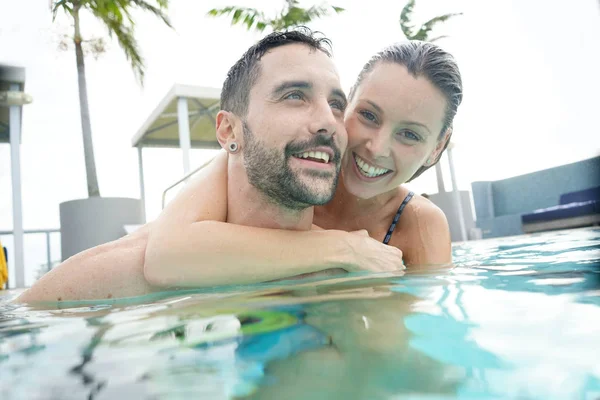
(116, 17)
(425, 30)
(290, 16)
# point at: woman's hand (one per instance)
(368, 254)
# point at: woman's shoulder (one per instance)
(422, 232)
(422, 212)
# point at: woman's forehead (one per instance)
(394, 89)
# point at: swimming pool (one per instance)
(516, 318)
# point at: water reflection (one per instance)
(498, 325)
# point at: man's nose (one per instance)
(323, 120)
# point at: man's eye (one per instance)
(338, 104)
(294, 96)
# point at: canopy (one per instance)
(185, 118)
(163, 128)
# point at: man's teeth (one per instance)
(315, 154)
(367, 169)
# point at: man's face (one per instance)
(294, 134)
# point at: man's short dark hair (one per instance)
(235, 95)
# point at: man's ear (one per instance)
(227, 124)
(439, 148)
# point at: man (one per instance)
(282, 124)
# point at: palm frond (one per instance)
(291, 15)
(442, 18)
(65, 5)
(129, 44)
(156, 11)
(406, 19)
(114, 18)
(295, 16)
(438, 38)
(427, 27)
(250, 17)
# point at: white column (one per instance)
(456, 193)
(48, 252)
(14, 121)
(184, 132)
(142, 187)
(440, 178)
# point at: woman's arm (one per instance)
(191, 245)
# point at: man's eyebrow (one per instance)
(282, 87)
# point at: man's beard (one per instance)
(268, 170)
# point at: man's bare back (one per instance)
(112, 270)
(109, 271)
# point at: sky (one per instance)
(529, 68)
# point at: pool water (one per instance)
(517, 318)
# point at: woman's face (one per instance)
(394, 122)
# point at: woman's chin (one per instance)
(358, 189)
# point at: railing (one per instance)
(48, 232)
(185, 178)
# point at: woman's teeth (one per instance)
(317, 155)
(368, 170)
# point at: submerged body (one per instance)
(434, 334)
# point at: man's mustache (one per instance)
(316, 141)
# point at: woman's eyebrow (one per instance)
(380, 111)
(375, 106)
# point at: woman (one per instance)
(399, 122)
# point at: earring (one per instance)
(233, 147)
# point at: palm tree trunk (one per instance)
(86, 128)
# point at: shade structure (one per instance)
(12, 85)
(185, 118)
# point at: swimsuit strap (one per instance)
(388, 236)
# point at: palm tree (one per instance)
(116, 17)
(291, 15)
(425, 29)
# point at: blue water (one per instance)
(517, 318)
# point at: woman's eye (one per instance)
(410, 135)
(369, 116)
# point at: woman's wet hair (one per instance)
(430, 61)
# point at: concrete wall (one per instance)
(87, 223)
(447, 203)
